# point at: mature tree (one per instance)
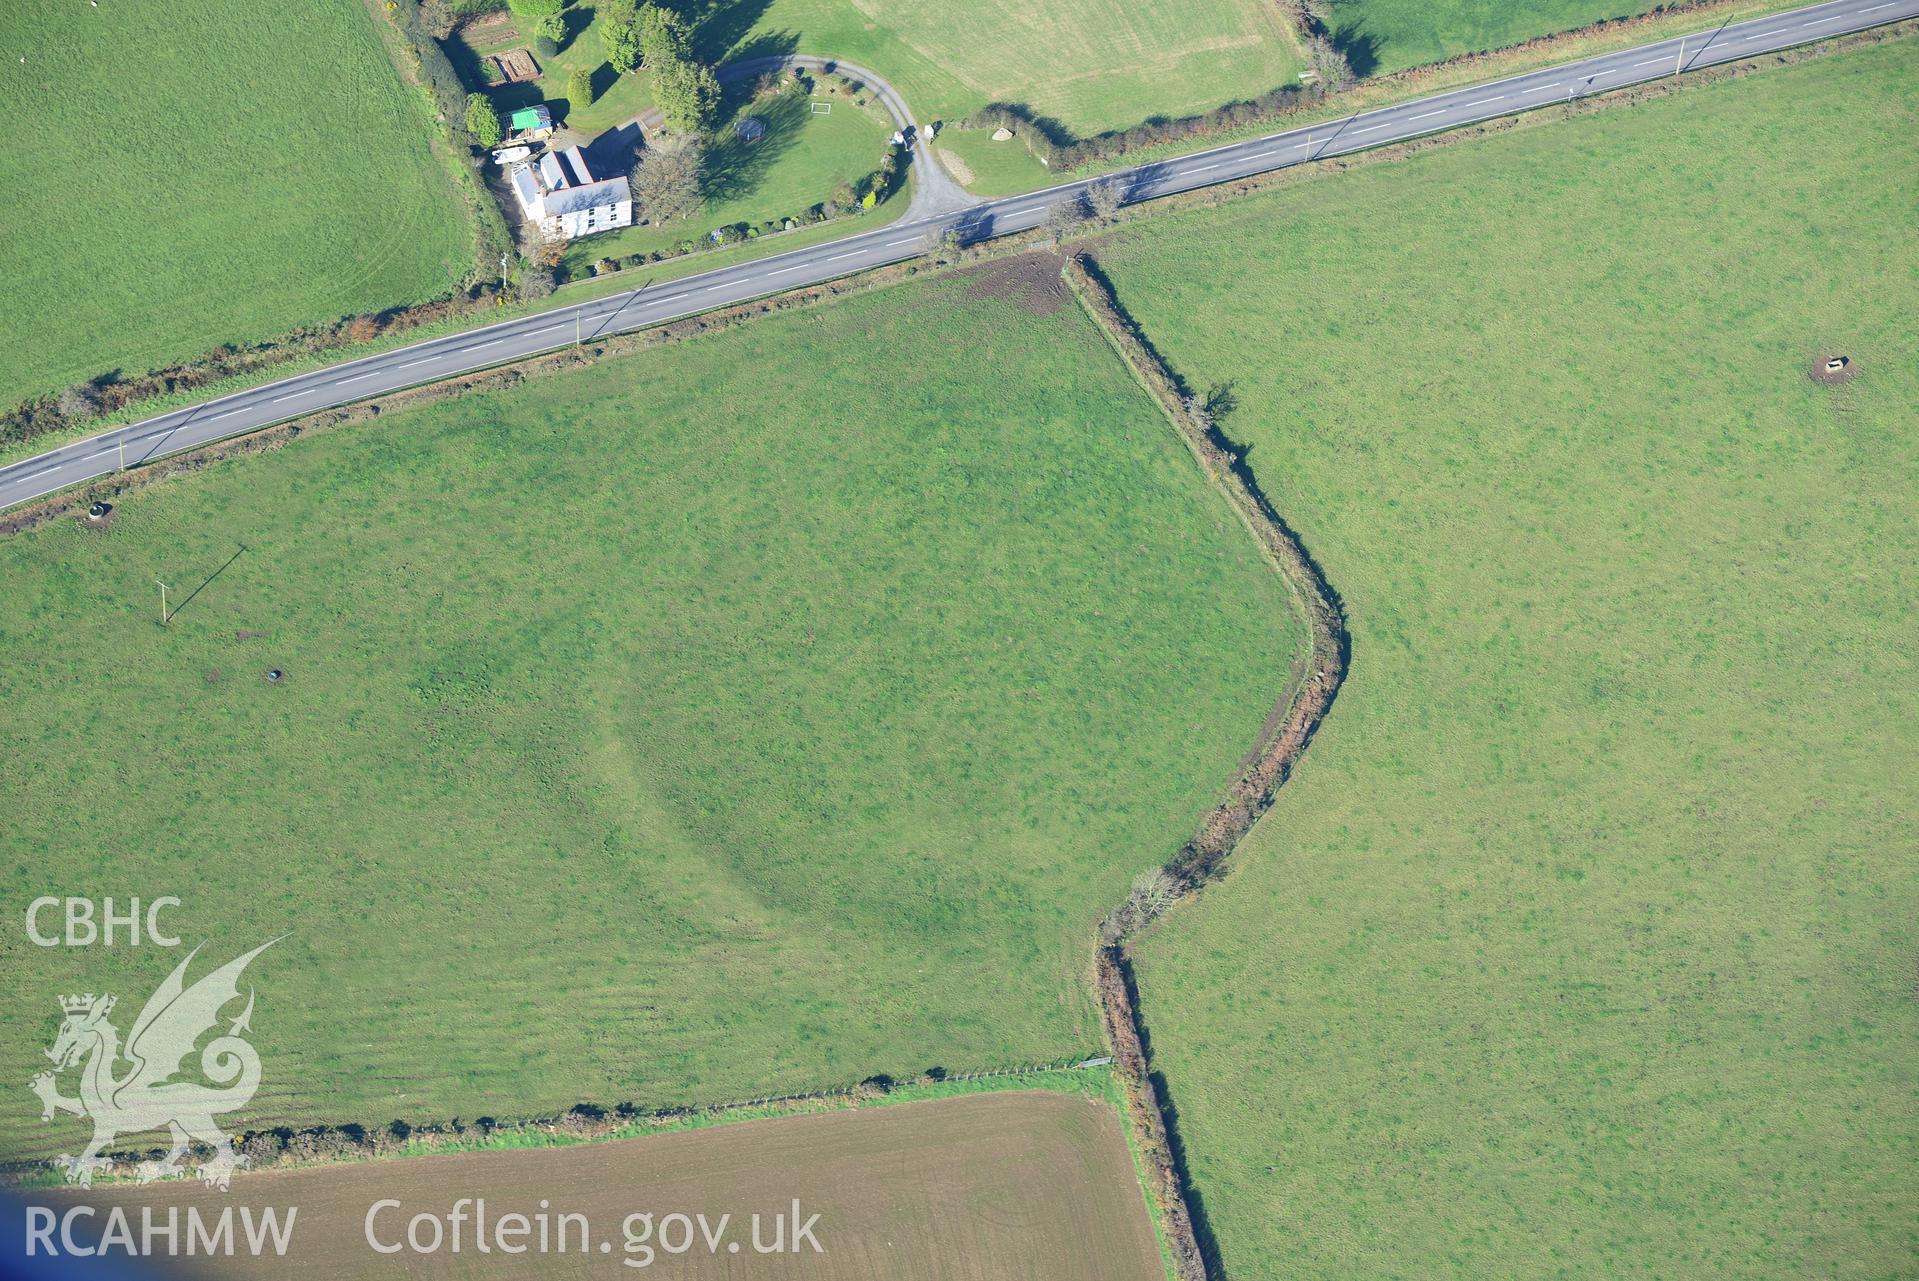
(664, 36)
(1106, 196)
(688, 94)
(666, 181)
(579, 86)
(619, 32)
(535, 8)
(552, 28)
(482, 121)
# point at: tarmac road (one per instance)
(472, 349)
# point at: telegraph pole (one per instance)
(163, 603)
(1679, 63)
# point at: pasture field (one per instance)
(748, 716)
(993, 1187)
(204, 200)
(1581, 942)
(1090, 64)
(1383, 36)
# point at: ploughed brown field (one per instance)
(1003, 1186)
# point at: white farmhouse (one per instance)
(559, 196)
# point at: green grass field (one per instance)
(743, 717)
(1581, 944)
(169, 189)
(1382, 36)
(1091, 64)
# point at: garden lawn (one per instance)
(1383, 36)
(616, 98)
(989, 168)
(796, 164)
(747, 716)
(1581, 943)
(1090, 64)
(264, 169)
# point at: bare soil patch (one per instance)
(961, 171)
(993, 1187)
(1822, 373)
(516, 65)
(1031, 280)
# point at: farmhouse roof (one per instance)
(588, 196)
(524, 187)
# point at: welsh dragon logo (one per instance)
(144, 1096)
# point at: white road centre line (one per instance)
(670, 298)
(1652, 61)
(357, 377)
(1483, 101)
(1430, 114)
(712, 289)
(907, 241)
(1205, 168)
(289, 396)
(1876, 8)
(210, 417)
(836, 257)
(783, 270)
(1372, 128)
(409, 364)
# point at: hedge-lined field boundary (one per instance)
(1289, 730)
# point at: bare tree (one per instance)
(666, 181)
(535, 281)
(78, 402)
(943, 243)
(1106, 196)
(1063, 216)
(1152, 894)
